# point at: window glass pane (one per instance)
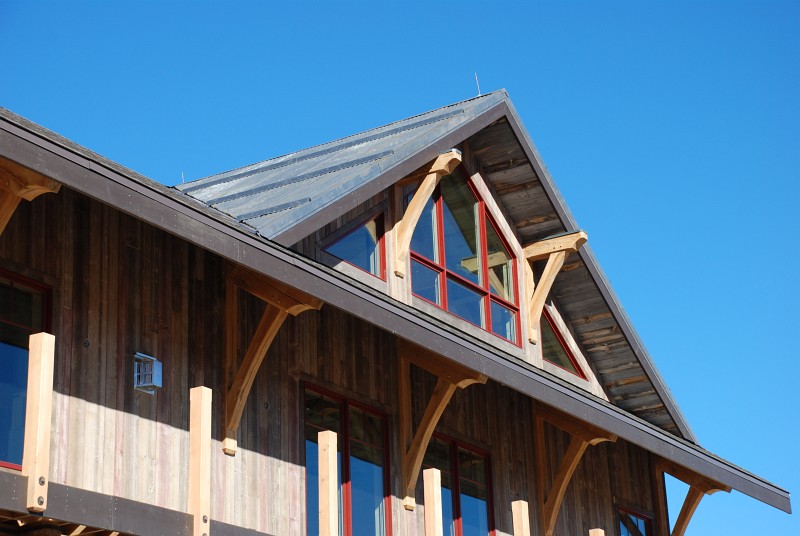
(553, 351)
(425, 282)
(465, 302)
(366, 473)
(423, 241)
(632, 525)
(438, 456)
(361, 247)
(501, 279)
(13, 387)
(21, 314)
(459, 214)
(504, 321)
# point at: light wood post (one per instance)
(38, 409)
(432, 483)
(200, 459)
(597, 532)
(521, 517)
(328, 485)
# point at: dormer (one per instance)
(452, 215)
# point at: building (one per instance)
(421, 289)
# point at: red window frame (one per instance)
(344, 440)
(454, 445)
(580, 374)
(380, 231)
(47, 312)
(443, 274)
(648, 519)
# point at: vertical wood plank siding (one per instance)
(121, 286)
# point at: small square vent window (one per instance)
(146, 373)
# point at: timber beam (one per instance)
(282, 300)
(17, 183)
(699, 486)
(451, 376)
(582, 435)
(555, 250)
(38, 411)
(444, 164)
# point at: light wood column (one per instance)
(38, 410)
(200, 459)
(432, 480)
(521, 518)
(328, 484)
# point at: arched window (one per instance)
(461, 262)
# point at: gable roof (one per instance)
(272, 197)
(92, 175)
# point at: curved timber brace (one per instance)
(582, 435)
(450, 376)
(444, 164)
(555, 250)
(699, 486)
(18, 183)
(282, 300)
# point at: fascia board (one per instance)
(167, 210)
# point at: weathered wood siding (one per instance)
(121, 286)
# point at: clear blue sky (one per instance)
(671, 128)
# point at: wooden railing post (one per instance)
(432, 483)
(38, 409)
(200, 459)
(597, 532)
(328, 485)
(521, 517)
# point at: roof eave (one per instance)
(79, 169)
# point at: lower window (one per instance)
(364, 498)
(466, 494)
(633, 523)
(24, 310)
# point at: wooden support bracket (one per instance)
(404, 229)
(582, 436)
(699, 486)
(200, 459)
(17, 183)
(451, 376)
(555, 250)
(38, 409)
(282, 300)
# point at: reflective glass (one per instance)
(361, 247)
(504, 321)
(21, 314)
(553, 351)
(423, 241)
(464, 302)
(366, 473)
(472, 485)
(632, 525)
(13, 388)
(501, 279)
(460, 215)
(425, 282)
